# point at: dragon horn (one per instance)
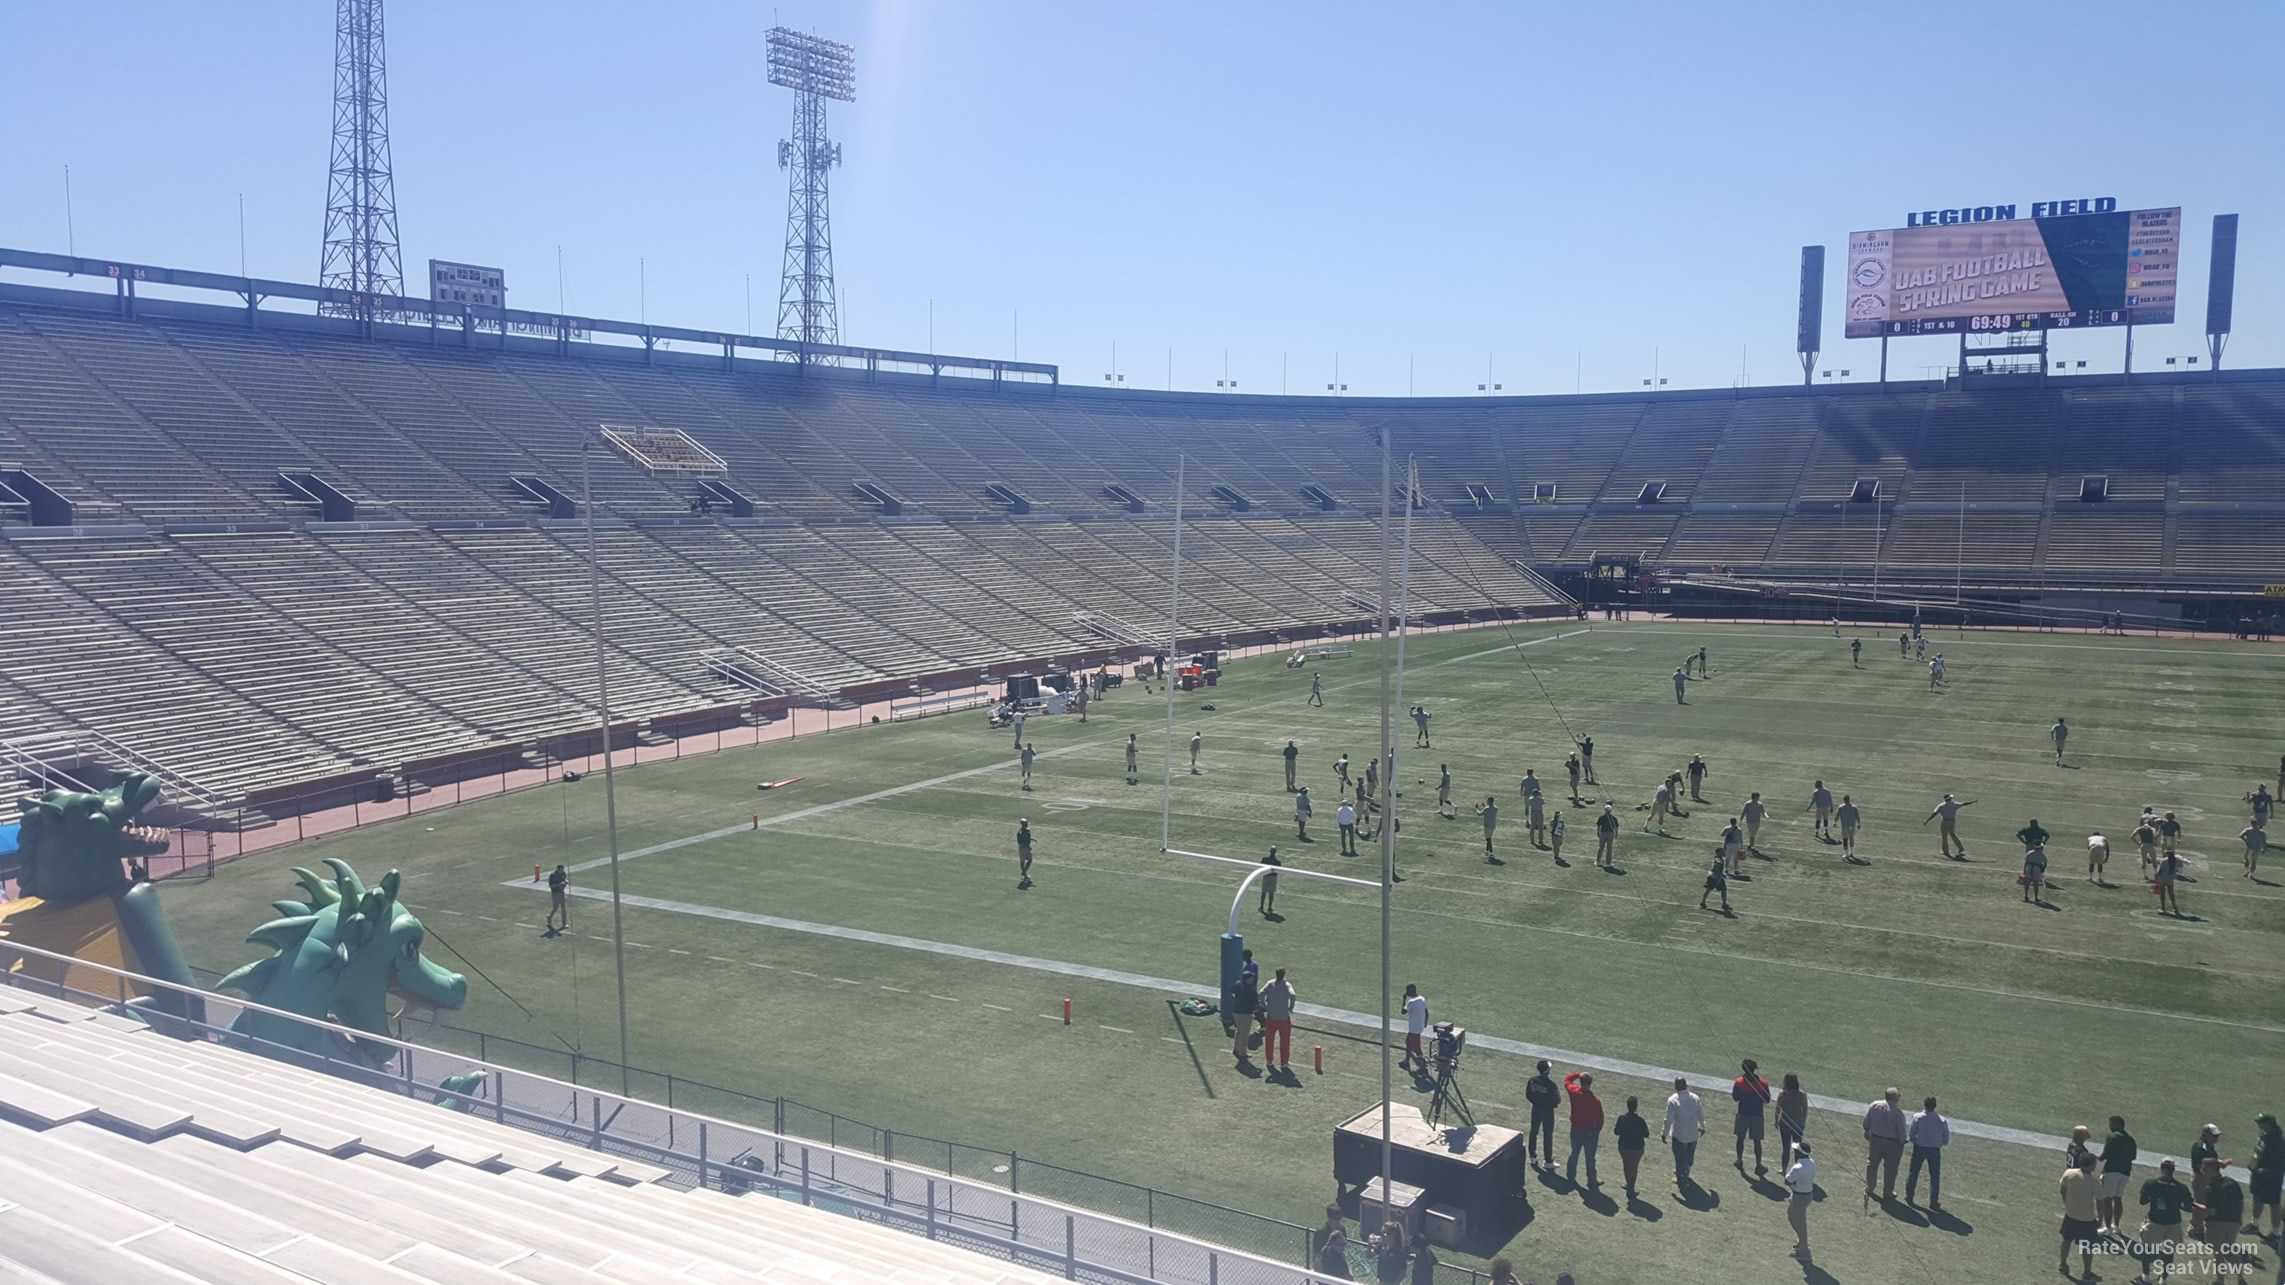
(278, 934)
(320, 892)
(251, 979)
(290, 909)
(346, 879)
(389, 884)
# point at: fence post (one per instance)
(932, 1209)
(1015, 1184)
(888, 1144)
(805, 1176)
(499, 1092)
(1070, 1249)
(1213, 1268)
(701, 1151)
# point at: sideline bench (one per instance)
(926, 705)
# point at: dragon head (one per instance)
(340, 954)
(72, 843)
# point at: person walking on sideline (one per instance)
(1292, 754)
(2059, 733)
(2164, 1200)
(1023, 852)
(1542, 1095)
(1278, 999)
(1333, 1246)
(1245, 1006)
(1301, 813)
(1345, 816)
(1490, 812)
(2082, 1217)
(1681, 680)
(1685, 1124)
(1606, 834)
(2224, 1208)
(558, 899)
(1930, 1133)
(2256, 840)
(1948, 834)
(1017, 720)
(1024, 761)
(1317, 689)
(1268, 902)
(1415, 1026)
(2268, 1169)
(1885, 1131)
(2118, 1155)
(1586, 1126)
(1801, 1192)
(1632, 1133)
(1792, 1115)
(1850, 817)
(1751, 1094)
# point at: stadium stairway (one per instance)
(127, 1156)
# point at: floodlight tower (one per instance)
(360, 193)
(815, 70)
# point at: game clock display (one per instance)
(2070, 273)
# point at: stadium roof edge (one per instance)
(127, 279)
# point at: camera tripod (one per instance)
(1448, 1099)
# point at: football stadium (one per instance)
(498, 793)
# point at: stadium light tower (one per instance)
(360, 193)
(815, 70)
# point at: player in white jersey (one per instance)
(1132, 774)
(2098, 857)
(2059, 733)
(1752, 813)
(1949, 833)
(1850, 818)
(1197, 739)
(1660, 804)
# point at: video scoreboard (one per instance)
(1985, 275)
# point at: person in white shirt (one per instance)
(1685, 1124)
(1660, 803)
(1850, 818)
(1341, 772)
(1131, 751)
(1197, 739)
(1801, 1183)
(1935, 672)
(1929, 1132)
(1752, 813)
(1948, 837)
(1821, 803)
(1415, 1026)
(1885, 1131)
(2098, 856)
(1301, 811)
(1018, 722)
(1555, 830)
(1346, 817)
(2059, 733)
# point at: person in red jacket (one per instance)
(1586, 1125)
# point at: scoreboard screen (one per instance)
(2067, 273)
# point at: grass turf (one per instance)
(1912, 970)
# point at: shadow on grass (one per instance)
(1174, 1014)
(1696, 1198)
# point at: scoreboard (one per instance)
(2116, 268)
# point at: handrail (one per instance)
(1218, 1260)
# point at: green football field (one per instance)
(867, 950)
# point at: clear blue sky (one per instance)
(1556, 188)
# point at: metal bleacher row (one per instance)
(908, 530)
(127, 1156)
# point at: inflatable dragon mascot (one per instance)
(340, 955)
(80, 901)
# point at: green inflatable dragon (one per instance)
(339, 955)
(72, 850)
